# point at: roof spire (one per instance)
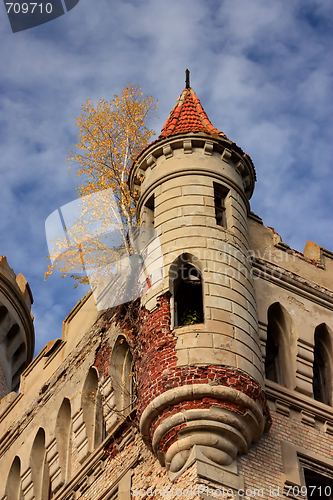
(188, 116)
(187, 80)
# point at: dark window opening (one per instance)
(319, 377)
(271, 358)
(318, 487)
(3, 312)
(322, 371)
(220, 193)
(149, 209)
(188, 297)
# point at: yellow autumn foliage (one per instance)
(111, 135)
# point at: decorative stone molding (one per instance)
(80, 436)
(151, 161)
(310, 411)
(208, 148)
(108, 403)
(167, 151)
(282, 407)
(229, 151)
(27, 485)
(304, 363)
(219, 433)
(187, 144)
(308, 418)
(226, 155)
(52, 457)
(263, 338)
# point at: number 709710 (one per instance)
(28, 8)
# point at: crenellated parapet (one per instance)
(17, 338)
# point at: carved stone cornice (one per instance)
(292, 282)
(294, 400)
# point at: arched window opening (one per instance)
(14, 485)
(187, 292)
(148, 212)
(39, 467)
(271, 358)
(63, 437)
(92, 410)
(220, 194)
(278, 362)
(121, 373)
(322, 365)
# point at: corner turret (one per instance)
(17, 339)
(200, 375)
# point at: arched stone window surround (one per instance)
(279, 345)
(181, 270)
(39, 467)
(92, 409)
(14, 485)
(121, 373)
(63, 433)
(323, 365)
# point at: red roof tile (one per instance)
(188, 116)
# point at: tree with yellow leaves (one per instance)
(110, 136)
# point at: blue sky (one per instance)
(262, 70)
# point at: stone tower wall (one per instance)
(184, 219)
(200, 385)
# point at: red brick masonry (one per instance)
(154, 349)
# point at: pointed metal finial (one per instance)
(187, 81)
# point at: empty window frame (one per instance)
(39, 468)
(92, 410)
(188, 296)
(279, 345)
(14, 485)
(220, 194)
(322, 370)
(318, 486)
(121, 373)
(63, 437)
(272, 356)
(149, 208)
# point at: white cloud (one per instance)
(261, 70)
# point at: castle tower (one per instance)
(200, 372)
(17, 338)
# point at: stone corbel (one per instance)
(240, 167)
(226, 155)
(151, 161)
(187, 145)
(167, 151)
(246, 181)
(208, 148)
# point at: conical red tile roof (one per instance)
(188, 116)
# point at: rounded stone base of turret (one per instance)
(221, 422)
